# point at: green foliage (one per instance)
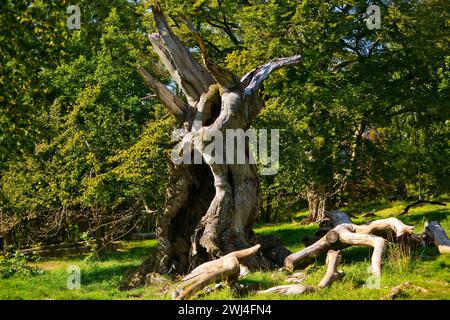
(16, 266)
(95, 127)
(82, 149)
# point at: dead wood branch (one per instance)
(226, 268)
(332, 274)
(333, 260)
(345, 233)
(437, 235)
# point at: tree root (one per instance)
(332, 262)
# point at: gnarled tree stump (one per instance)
(210, 207)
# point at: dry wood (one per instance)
(349, 237)
(333, 260)
(384, 226)
(226, 268)
(290, 289)
(211, 206)
(436, 233)
(345, 233)
(307, 255)
(332, 274)
(174, 104)
(338, 217)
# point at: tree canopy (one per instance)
(84, 145)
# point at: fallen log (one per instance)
(345, 233)
(435, 232)
(409, 206)
(227, 268)
(332, 262)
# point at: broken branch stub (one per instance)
(226, 268)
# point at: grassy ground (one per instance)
(100, 278)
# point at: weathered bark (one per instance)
(345, 233)
(226, 268)
(318, 204)
(437, 235)
(331, 275)
(210, 207)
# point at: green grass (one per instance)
(101, 279)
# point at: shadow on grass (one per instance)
(123, 262)
(136, 253)
(438, 215)
(101, 275)
(356, 254)
(292, 237)
(361, 208)
(426, 254)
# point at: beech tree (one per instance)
(210, 207)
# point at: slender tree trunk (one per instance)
(269, 208)
(210, 207)
(318, 204)
(402, 191)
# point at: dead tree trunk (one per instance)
(211, 206)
